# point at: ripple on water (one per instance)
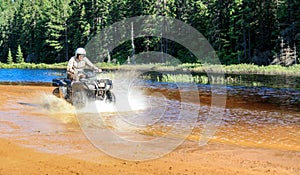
(278, 129)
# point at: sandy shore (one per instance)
(19, 156)
(211, 159)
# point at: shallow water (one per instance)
(256, 117)
(37, 119)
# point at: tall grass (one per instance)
(202, 68)
(185, 67)
(202, 79)
(250, 69)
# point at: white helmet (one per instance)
(80, 51)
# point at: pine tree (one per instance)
(19, 56)
(79, 28)
(24, 25)
(55, 32)
(97, 14)
(9, 57)
(117, 11)
(240, 30)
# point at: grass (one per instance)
(266, 70)
(33, 66)
(200, 68)
(168, 67)
(232, 69)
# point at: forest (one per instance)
(260, 32)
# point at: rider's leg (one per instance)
(71, 77)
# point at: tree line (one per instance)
(240, 31)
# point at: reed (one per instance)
(204, 79)
(200, 68)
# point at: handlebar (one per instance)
(90, 73)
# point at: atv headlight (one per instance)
(101, 84)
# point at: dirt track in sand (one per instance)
(83, 158)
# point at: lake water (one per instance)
(30, 75)
(261, 116)
(46, 76)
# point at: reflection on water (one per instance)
(247, 80)
(272, 81)
(256, 117)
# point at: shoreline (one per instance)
(190, 68)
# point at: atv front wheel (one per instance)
(79, 98)
(110, 97)
(56, 92)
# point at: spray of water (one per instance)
(127, 90)
(55, 107)
(130, 101)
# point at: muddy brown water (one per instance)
(253, 117)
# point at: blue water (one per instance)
(46, 76)
(30, 75)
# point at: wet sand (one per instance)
(29, 147)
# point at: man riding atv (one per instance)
(77, 63)
(82, 85)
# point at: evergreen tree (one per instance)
(289, 23)
(9, 57)
(41, 49)
(79, 28)
(16, 28)
(134, 8)
(7, 10)
(219, 15)
(97, 14)
(244, 21)
(239, 30)
(117, 11)
(194, 13)
(24, 25)
(19, 56)
(56, 17)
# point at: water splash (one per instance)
(127, 88)
(57, 108)
(130, 101)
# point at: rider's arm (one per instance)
(70, 67)
(90, 64)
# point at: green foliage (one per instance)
(55, 21)
(78, 28)
(241, 31)
(9, 57)
(19, 56)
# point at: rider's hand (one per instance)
(99, 70)
(75, 71)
